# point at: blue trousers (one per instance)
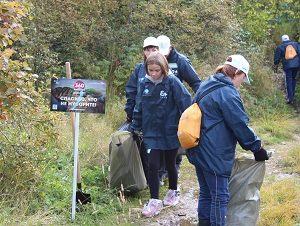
(213, 197)
(290, 83)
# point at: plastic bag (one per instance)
(125, 166)
(244, 186)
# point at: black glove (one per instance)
(275, 68)
(261, 155)
(134, 135)
(137, 134)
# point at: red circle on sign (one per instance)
(79, 85)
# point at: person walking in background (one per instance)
(150, 45)
(161, 100)
(290, 65)
(182, 68)
(224, 123)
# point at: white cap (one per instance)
(285, 38)
(239, 62)
(150, 41)
(164, 44)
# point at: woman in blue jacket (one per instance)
(224, 123)
(150, 45)
(160, 101)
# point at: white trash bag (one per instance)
(244, 187)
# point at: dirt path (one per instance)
(185, 213)
(273, 167)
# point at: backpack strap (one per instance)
(209, 91)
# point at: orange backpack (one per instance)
(189, 127)
(190, 123)
(290, 52)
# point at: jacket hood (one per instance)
(213, 81)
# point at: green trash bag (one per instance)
(244, 187)
(125, 166)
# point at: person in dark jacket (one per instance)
(160, 101)
(150, 45)
(224, 123)
(179, 64)
(290, 66)
(182, 68)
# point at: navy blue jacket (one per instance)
(181, 67)
(158, 110)
(224, 123)
(132, 87)
(280, 55)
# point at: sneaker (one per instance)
(172, 198)
(152, 208)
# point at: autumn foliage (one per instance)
(15, 82)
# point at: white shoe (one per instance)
(152, 208)
(172, 198)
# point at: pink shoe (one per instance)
(171, 198)
(152, 208)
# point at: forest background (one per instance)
(102, 39)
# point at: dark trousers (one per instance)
(162, 167)
(154, 162)
(290, 82)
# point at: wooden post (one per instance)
(75, 128)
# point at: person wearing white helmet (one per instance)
(224, 123)
(150, 45)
